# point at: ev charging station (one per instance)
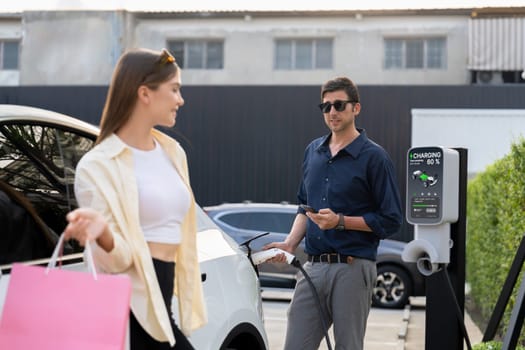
(432, 205)
(436, 206)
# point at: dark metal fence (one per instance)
(247, 142)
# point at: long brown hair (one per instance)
(135, 68)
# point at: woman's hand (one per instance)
(85, 224)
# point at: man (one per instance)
(350, 180)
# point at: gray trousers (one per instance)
(345, 293)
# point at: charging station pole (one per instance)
(436, 206)
(442, 328)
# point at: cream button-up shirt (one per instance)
(105, 181)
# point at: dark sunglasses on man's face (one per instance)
(338, 105)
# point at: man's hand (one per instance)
(326, 219)
(279, 258)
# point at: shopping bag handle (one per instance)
(88, 257)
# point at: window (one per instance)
(9, 52)
(296, 54)
(415, 53)
(260, 221)
(198, 54)
(40, 162)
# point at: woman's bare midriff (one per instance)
(163, 251)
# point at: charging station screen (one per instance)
(424, 185)
(425, 207)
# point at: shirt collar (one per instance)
(353, 148)
(114, 146)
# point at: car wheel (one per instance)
(243, 336)
(393, 287)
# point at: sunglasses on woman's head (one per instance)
(338, 105)
(166, 57)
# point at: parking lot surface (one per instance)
(387, 329)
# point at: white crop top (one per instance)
(164, 199)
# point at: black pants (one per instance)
(139, 338)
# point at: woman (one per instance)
(136, 205)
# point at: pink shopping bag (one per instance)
(52, 309)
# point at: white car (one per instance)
(39, 150)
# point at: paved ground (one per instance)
(387, 329)
(415, 335)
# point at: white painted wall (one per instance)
(486, 133)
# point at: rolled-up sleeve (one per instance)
(387, 219)
(91, 194)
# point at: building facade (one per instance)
(374, 47)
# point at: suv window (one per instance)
(260, 221)
(38, 161)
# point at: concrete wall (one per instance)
(358, 47)
(70, 48)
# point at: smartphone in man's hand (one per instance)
(308, 208)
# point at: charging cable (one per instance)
(458, 309)
(297, 264)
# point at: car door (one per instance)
(37, 162)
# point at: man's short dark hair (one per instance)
(341, 83)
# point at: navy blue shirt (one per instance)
(358, 181)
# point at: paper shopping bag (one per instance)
(53, 309)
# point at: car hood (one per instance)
(212, 244)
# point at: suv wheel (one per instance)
(393, 287)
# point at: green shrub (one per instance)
(496, 225)
(492, 345)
